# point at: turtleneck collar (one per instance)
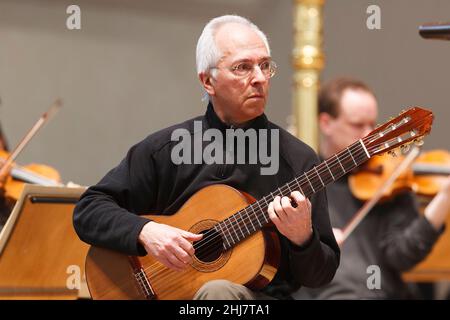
(214, 121)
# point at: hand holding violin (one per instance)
(437, 210)
(4, 173)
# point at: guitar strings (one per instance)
(358, 154)
(207, 238)
(157, 270)
(285, 188)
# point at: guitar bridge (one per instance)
(144, 284)
(141, 279)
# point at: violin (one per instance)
(430, 172)
(385, 176)
(17, 176)
(33, 173)
(424, 177)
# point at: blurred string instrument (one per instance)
(385, 176)
(425, 176)
(33, 173)
(38, 244)
(237, 234)
(17, 176)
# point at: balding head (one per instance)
(208, 54)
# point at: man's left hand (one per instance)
(292, 222)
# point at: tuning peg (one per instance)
(405, 148)
(419, 142)
(392, 153)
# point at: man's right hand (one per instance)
(170, 246)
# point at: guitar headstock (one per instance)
(408, 127)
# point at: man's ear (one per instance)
(205, 79)
(325, 123)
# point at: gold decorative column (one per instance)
(308, 60)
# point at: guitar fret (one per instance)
(264, 215)
(323, 174)
(365, 149)
(343, 170)
(298, 184)
(228, 229)
(289, 188)
(306, 175)
(352, 156)
(234, 229)
(222, 232)
(334, 179)
(281, 193)
(256, 215)
(250, 218)
(315, 168)
(245, 224)
(236, 216)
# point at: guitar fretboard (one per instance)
(252, 218)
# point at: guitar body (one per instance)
(252, 262)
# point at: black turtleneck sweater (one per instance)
(147, 181)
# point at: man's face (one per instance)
(357, 118)
(238, 99)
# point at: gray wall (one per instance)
(402, 68)
(130, 70)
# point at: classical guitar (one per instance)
(237, 243)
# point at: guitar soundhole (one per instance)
(209, 248)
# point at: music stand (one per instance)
(41, 257)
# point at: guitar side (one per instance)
(253, 262)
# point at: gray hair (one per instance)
(207, 54)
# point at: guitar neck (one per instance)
(252, 218)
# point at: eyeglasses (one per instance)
(245, 69)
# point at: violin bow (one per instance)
(38, 125)
(368, 205)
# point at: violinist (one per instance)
(393, 237)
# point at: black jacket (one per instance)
(147, 181)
